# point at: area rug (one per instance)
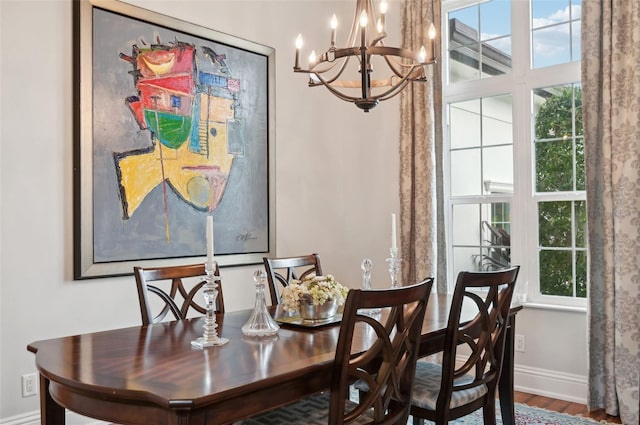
(527, 415)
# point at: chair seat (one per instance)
(309, 411)
(426, 387)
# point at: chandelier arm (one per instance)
(390, 53)
(378, 50)
(379, 39)
(404, 65)
(343, 66)
(412, 75)
(396, 88)
(392, 65)
(329, 67)
(346, 53)
(400, 88)
(335, 92)
(355, 84)
(393, 91)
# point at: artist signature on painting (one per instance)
(245, 237)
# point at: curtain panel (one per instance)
(422, 232)
(611, 108)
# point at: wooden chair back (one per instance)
(484, 337)
(388, 367)
(181, 296)
(281, 271)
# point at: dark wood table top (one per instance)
(151, 374)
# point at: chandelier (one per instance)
(364, 51)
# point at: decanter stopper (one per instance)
(260, 323)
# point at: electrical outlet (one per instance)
(519, 343)
(29, 384)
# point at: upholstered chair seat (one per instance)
(426, 387)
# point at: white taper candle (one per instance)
(394, 244)
(210, 241)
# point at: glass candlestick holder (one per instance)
(394, 266)
(210, 290)
(260, 322)
(366, 266)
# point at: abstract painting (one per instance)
(174, 122)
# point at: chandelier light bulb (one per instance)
(432, 31)
(383, 6)
(312, 57)
(299, 42)
(364, 19)
(334, 22)
(422, 55)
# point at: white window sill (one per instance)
(554, 307)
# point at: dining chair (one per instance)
(466, 379)
(387, 365)
(183, 288)
(281, 271)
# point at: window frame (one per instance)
(520, 84)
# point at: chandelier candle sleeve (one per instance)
(298, 47)
(432, 36)
(210, 241)
(363, 28)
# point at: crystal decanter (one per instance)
(260, 323)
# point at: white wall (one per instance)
(336, 173)
(336, 176)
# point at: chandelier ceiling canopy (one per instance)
(365, 54)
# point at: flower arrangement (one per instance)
(318, 289)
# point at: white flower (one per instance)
(318, 288)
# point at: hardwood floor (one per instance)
(560, 406)
(563, 407)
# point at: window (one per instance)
(555, 32)
(514, 143)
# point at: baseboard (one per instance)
(548, 383)
(551, 383)
(33, 418)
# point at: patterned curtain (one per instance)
(421, 197)
(611, 108)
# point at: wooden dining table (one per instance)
(151, 375)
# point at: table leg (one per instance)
(51, 413)
(505, 386)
